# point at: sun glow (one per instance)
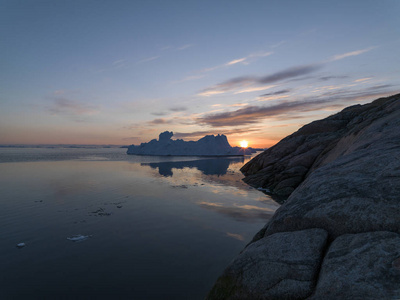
(244, 144)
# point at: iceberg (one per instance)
(210, 145)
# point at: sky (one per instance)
(121, 72)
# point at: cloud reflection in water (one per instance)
(241, 213)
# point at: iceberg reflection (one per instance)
(213, 166)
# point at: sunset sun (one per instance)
(244, 144)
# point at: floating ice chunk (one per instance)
(21, 245)
(79, 238)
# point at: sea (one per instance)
(96, 223)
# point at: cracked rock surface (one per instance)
(261, 272)
(361, 266)
(342, 179)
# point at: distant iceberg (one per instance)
(210, 145)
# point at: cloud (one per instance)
(118, 64)
(236, 61)
(270, 98)
(184, 47)
(363, 79)
(293, 73)
(159, 121)
(290, 73)
(348, 54)
(378, 87)
(178, 108)
(189, 78)
(280, 92)
(173, 109)
(200, 134)
(245, 60)
(148, 59)
(250, 114)
(66, 106)
(239, 104)
(254, 114)
(246, 81)
(159, 113)
(326, 78)
(254, 89)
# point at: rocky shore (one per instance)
(337, 236)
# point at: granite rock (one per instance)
(320, 142)
(361, 266)
(282, 265)
(355, 187)
(342, 177)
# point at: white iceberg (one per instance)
(210, 145)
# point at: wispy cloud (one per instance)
(254, 89)
(278, 44)
(326, 78)
(184, 47)
(241, 82)
(159, 114)
(250, 83)
(236, 61)
(189, 78)
(148, 59)
(363, 79)
(64, 106)
(178, 108)
(118, 64)
(244, 60)
(159, 121)
(200, 134)
(173, 109)
(280, 92)
(254, 114)
(352, 53)
(270, 98)
(238, 104)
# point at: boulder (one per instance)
(361, 266)
(342, 179)
(320, 142)
(282, 265)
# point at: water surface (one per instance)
(159, 227)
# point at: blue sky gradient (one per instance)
(121, 72)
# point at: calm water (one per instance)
(159, 227)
